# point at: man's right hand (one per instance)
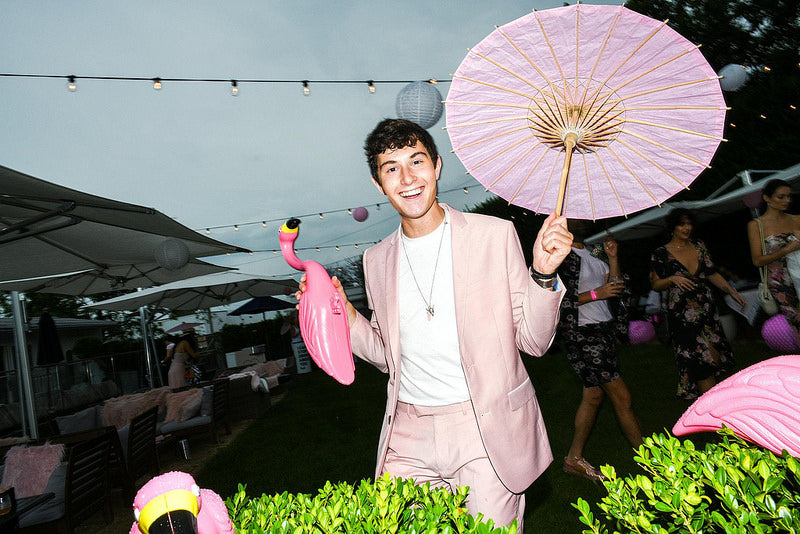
(351, 310)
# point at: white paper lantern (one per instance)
(172, 254)
(733, 77)
(419, 102)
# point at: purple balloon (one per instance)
(360, 214)
(752, 199)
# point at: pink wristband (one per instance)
(593, 294)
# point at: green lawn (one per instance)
(324, 431)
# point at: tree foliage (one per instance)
(755, 34)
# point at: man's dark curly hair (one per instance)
(393, 134)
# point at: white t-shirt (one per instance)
(593, 275)
(430, 371)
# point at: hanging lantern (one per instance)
(172, 254)
(419, 102)
(360, 214)
(733, 77)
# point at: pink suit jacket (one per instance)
(499, 309)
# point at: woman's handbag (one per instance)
(768, 303)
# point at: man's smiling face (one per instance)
(408, 178)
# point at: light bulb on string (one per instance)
(208, 230)
(356, 245)
(466, 191)
(72, 86)
(337, 247)
(236, 227)
(433, 81)
(264, 224)
(371, 87)
(306, 88)
(321, 215)
(234, 88)
(317, 249)
(156, 83)
(349, 211)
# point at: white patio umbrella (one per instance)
(47, 230)
(201, 292)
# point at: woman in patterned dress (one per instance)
(781, 232)
(683, 268)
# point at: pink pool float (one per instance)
(321, 313)
(173, 502)
(760, 404)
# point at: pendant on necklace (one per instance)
(429, 309)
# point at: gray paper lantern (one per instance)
(733, 77)
(419, 102)
(172, 254)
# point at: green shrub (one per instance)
(730, 486)
(389, 505)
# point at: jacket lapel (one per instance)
(392, 298)
(461, 266)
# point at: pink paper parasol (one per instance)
(591, 111)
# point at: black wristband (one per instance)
(540, 276)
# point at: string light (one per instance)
(234, 83)
(265, 222)
(72, 86)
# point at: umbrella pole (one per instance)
(570, 140)
(24, 371)
(147, 352)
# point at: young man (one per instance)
(452, 302)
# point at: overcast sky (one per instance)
(208, 159)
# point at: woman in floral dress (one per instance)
(781, 231)
(683, 268)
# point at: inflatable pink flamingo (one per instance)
(760, 403)
(322, 314)
(173, 502)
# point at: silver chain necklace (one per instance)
(429, 301)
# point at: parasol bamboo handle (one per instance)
(570, 140)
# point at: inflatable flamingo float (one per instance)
(760, 403)
(321, 314)
(173, 502)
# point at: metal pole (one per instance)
(147, 352)
(28, 411)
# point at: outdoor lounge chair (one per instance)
(85, 490)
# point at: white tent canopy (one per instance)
(650, 222)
